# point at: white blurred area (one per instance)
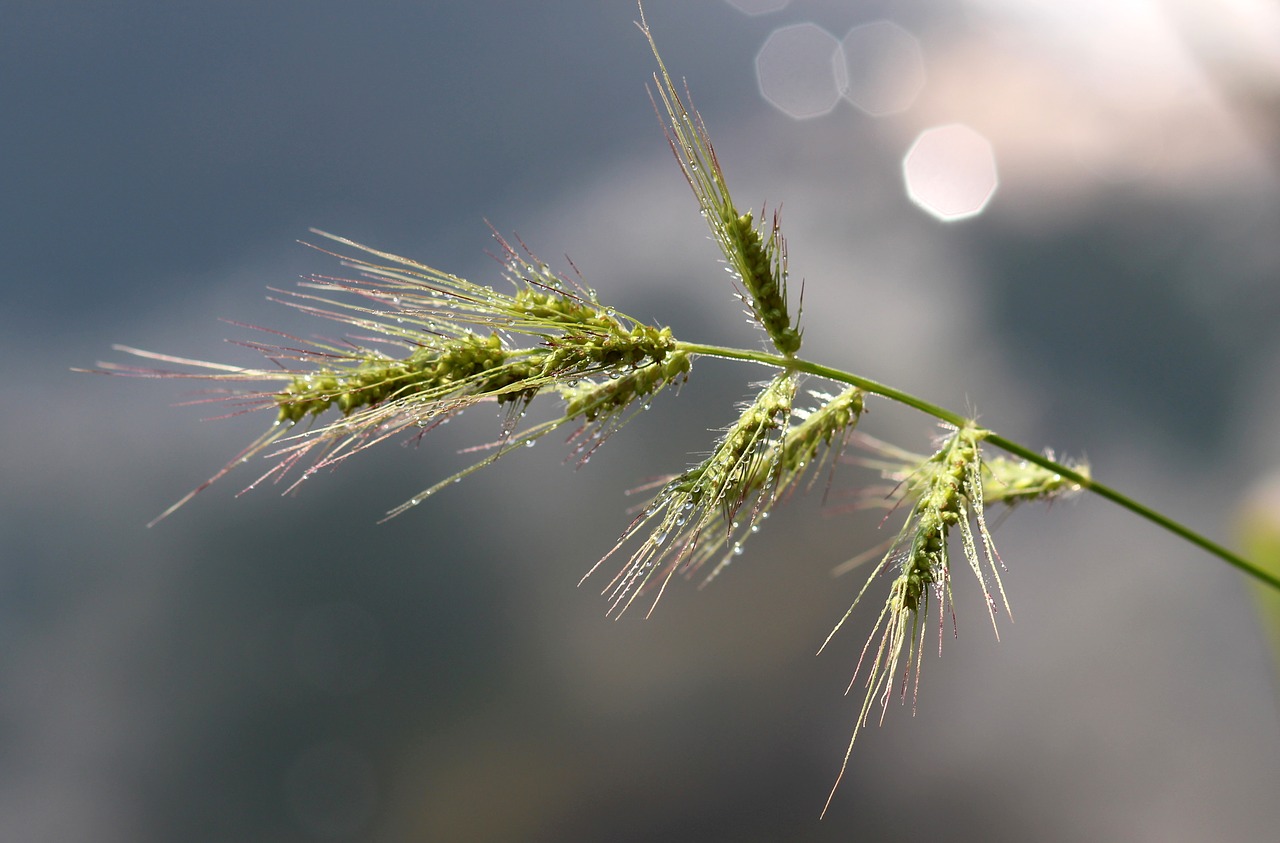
(883, 68)
(950, 171)
(796, 67)
(1070, 94)
(758, 7)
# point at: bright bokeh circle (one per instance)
(950, 172)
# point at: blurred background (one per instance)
(1060, 216)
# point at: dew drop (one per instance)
(738, 549)
(529, 443)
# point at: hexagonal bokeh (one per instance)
(950, 171)
(884, 68)
(797, 70)
(758, 7)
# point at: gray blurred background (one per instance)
(282, 669)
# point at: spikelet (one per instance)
(1005, 480)
(605, 405)
(712, 492)
(1010, 481)
(814, 440)
(945, 492)
(762, 458)
(757, 255)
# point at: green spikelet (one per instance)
(946, 493)
(757, 255)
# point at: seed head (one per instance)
(434, 345)
(711, 493)
(802, 450)
(757, 255)
(704, 516)
(945, 492)
(1011, 482)
(1004, 480)
(603, 406)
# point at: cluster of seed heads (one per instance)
(432, 345)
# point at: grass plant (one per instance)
(427, 346)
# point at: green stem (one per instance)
(1178, 529)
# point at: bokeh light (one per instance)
(758, 7)
(799, 69)
(884, 68)
(950, 171)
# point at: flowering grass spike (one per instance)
(945, 492)
(756, 256)
(1004, 480)
(436, 345)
